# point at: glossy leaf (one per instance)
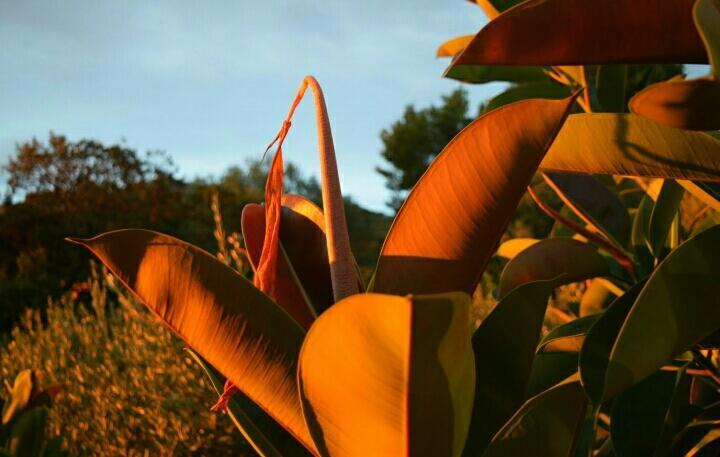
(303, 271)
(546, 425)
(707, 19)
(663, 214)
(549, 90)
(479, 74)
(679, 306)
(289, 292)
(503, 360)
(217, 312)
(378, 371)
(510, 248)
(594, 203)
(630, 145)
(598, 343)
(453, 46)
(564, 260)
(611, 87)
(638, 415)
(450, 224)
(567, 337)
(691, 104)
(548, 32)
(550, 368)
(251, 432)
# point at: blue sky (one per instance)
(210, 82)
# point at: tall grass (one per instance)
(127, 388)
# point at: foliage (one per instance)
(24, 419)
(398, 368)
(66, 187)
(125, 389)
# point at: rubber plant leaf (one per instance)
(594, 203)
(566, 32)
(249, 430)
(451, 223)
(565, 260)
(567, 337)
(691, 104)
(662, 216)
(480, 74)
(519, 92)
(501, 383)
(303, 271)
(630, 145)
(595, 351)
(546, 424)
(678, 307)
(239, 330)
(377, 372)
(453, 46)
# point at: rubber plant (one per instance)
(643, 338)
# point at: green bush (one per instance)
(127, 389)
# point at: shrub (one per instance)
(126, 389)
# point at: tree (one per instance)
(410, 144)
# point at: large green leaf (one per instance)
(707, 19)
(638, 415)
(564, 260)
(546, 425)
(503, 360)
(594, 203)
(217, 312)
(383, 375)
(550, 90)
(450, 224)
(611, 86)
(578, 32)
(678, 307)
(599, 340)
(630, 145)
(663, 214)
(480, 74)
(691, 104)
(567, 337)
(28, 433)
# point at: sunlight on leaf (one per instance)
(691, 104)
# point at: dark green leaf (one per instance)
(663, 213)
(550, 90)
(611, 87)
(561, 336)
(547, 425)
(503, 360)
(677, 308)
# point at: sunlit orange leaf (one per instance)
(267, 264)
(217, 312)
(385, 375)
(692, 104)
(578, 32)
(452, 47)
(630, 145)
(449, 227)
(303, 241)
(290, 292)
(563, 259)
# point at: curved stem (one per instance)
(342, 263)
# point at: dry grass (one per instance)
(127, 387)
